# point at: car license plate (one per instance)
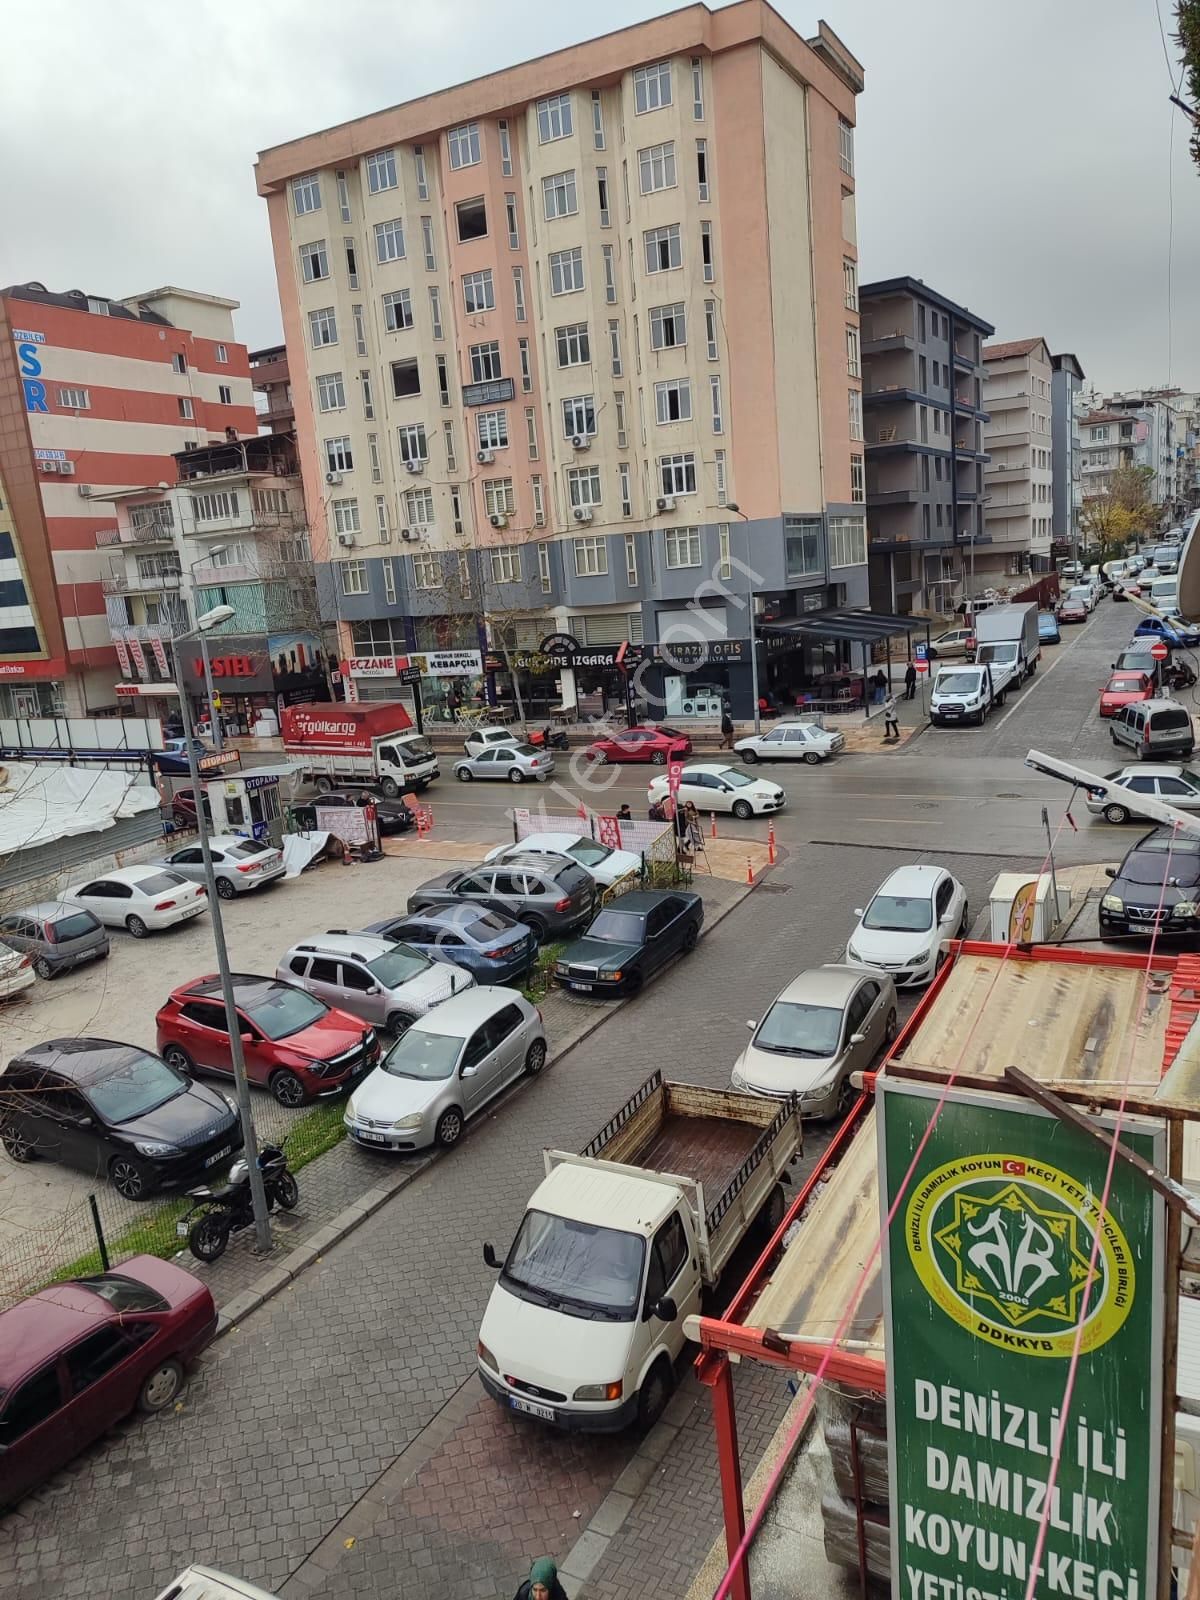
(532, 1408)
(585, 987)
(370, 1138)
(224, 1151)
(181, 1229)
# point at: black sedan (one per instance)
(630, 940)
(391, 816)
(1156, 886)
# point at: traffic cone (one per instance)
(712, 817)
(771, 843)
(347, 858)
(749, 872)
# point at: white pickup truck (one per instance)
(585, 1325)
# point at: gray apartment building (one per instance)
(923, 424)
(1066, 451)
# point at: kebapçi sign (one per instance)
(986, 1273)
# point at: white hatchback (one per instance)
(912, 913)
(717, 787)
(606, 866)
(141, 900)
(16, 972)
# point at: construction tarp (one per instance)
(43, 802)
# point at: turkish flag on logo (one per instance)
(1015, 1169)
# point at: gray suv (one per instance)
(56, 936)
(552, 898)
(384, 982)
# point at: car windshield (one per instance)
(617, 927)
(577, 1267)
(74, 927)
(284, 1010)
(1126, 685)
(734, 778)
(1165, 844)
(249, 847)
(157, 882)
(795, 1029)
(122, 1293)
(139, 1084)
(398, 965)
(1153, 867)
(590, 854)
(957, 682)
(899, 913)
(426, 1056)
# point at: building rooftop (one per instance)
(1102, 416)
(1067, 362)
(78, 299)
(914, 286)
(1014, 347)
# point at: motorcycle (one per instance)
(216, 1213)
(549, 739)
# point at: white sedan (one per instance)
(16, 972)
(714, 786)
(791, 741)
(605, 865)
(140, 899)
(912, 913)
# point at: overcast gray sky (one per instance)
(1015, 156)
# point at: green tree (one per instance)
(1187, 15)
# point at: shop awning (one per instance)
(866, 627)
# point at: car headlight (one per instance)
(853, 953)
(921, 958)
(600, 1391)
(229, 1101)
(153, 1147)
(351, 1110)
(737, 1080)
(1112, 902)
(409, 1122)
(560, 966)
(486, 1356)
(615, 977)
(1185, 908)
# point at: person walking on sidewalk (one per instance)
(891, 722)
(542, 1582)
(726, 727)
(910, 681)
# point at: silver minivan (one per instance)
(1156, 729)
(386, 983)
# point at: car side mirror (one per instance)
(1110, 872)
(469, 1072)
(665, 1309)
(858, 1038)
(247, 1038)
(751, 1024)
(374, 989)
(490, 1258)
(858, 911)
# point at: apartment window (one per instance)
(614, 347)
(397, 311)
(656, 167)
(619, 404)
(214, 507)
(1099, 435)
(464, 567)
(360, 331)
(855, 403)
(926, 529)
(714, 395)
(921, 324)
(706, 251)
(389, 240)
(338, 455)
(719, 474)
(682, 547)
(418, 508)
(368, 400)
(652, 87)
(591, 557)
(510, 217)
(937, 422)
(579, 417)
(322, 327)
(506, 564)
(435, 310)
(75, 399)
(485, 362)
(492, 429)
(724, 559)
(463, 145)
(847, 542)
(406, 378)
(314, 261)
(702, 168)
(539, 503)
(519, 294)
(850, 283)
(224, 395)
(478, 293)
(668, 326)
(937, 377)
(572, 344)
(373, 458)
(97, 307)
(351, 264)
(354, 577)
(543, 561)
(506, 165)
(531, 440)
(427, 243)
(222, 355)
(610, 274)
(498, 498)
(924, 472)
(802, 546)
(448, 446)
(422, 175)
(381, 171)
(526, 368)
(597, 120)
(427, 570)
(583, 488)
(625, 485)
(922, 375)
(602, 192)
(858, 482)
(558, 195)
(345, 516)
(664, 249)
(697, 89)
(846, 146)
(937, 514)
(673, 400)
(853, 364)
(186, 410)
(566, 270)
(471, 219)
(554, 118)
(677, 474)
(413, 446)
(331, 392)
(306, 194)
(710, 328)
(443, 378)
(179, 362)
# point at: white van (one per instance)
(202, 1583)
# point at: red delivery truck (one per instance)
(373, 742)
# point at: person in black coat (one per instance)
(542, 1582)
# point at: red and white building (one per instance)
(95, 395)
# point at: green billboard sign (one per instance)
(986, 1279)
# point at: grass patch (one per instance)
(150, 1235)
(317, 1131)
(540, 979)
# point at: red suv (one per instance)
(293, 1043)
(78, 1357)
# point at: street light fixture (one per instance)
(214, 714)
(262, 1216)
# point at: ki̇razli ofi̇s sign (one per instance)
(986, 1277)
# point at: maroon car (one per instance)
(78, 1357)
(293, 1043)
(657, 745)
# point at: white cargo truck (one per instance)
(1007, 636)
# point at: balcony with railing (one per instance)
(1006, 402)
(165, 581)
(231, 572)
(145, 630)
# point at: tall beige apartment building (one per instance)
(576, 343)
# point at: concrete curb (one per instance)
(279, 1274)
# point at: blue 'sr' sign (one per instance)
(31, 375)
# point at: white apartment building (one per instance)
(1018, 517)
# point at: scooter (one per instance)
(216, 1213)
(549, 739)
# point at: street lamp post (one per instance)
(214, 714)
(737, 510)
(262, 1216)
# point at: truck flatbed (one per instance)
(708, 1149)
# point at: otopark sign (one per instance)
(988, 1276)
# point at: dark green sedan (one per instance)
(629, 941)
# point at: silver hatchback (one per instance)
(514, 762)
(54, 935)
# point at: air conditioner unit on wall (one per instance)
(67, 468)
(582, 513)
(333, 477)
(48, 466)
(665, 502)
(415, 467)
(409, 534)
(580, 441)
(485, 457)
(85, 491)
(498, 519)
(345, 538)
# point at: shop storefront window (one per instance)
(802, 543)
